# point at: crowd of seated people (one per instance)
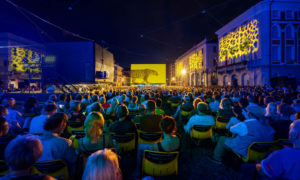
(249, 114)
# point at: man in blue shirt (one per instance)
(284, 163)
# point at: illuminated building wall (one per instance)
(195, 61)
(243, 41)
(23, 59)
(179, 67)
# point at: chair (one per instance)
(74, 126)
(56, 168)
(3, 168)
(126, 141)
(201, 132)
(156, 163)
(284, 143)
(221, 123)
(149, 138)
(258, 151)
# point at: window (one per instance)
(275, 32)
(275, 14)
(289, 32)
(215, 49)
(289, 54)
(276, 53)
(289, 14)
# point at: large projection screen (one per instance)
(148, 74)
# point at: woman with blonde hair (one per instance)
(102, 164)
(94, 138)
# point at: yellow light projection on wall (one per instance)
(24, 59)
(195, 61)
(243, 41)
(179, 67)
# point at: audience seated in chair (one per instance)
(94, 138)
(15, 128)
(56, 147)
(284, 164)
(4, 138)
(169, 143)
(20, 154)
(123, 125)
(102, 164)
(150, 121)
(202, 118)
(37, 123)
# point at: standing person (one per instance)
(37, 123)
(284, 164)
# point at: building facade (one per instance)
(197, 67)
(20, 62)
(118, 77)
(261, 45)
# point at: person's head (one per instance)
(93, 126)
(62, 97)
(187, 98)
(30, 102)
(78, 97)
(53, 98)
(102, 164)
(225, 104)
(114, 102)
(95, 98)
(3, 111)
(294, 134)
(151, 106)
(102, 100)
(49, 108)
(122, 111)
(75, 106)
(22, 152)
(56, 123)
(142, 108)
(4, 127)
(134, 99)
(202, 108)
(243, 102)
(195, 102)
(11, 103)
(168, 125)
(96, 106)
(284, 110)
(267, 100)
(158, 102)
(271, 109)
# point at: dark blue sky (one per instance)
(169, 27)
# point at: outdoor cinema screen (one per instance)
(148, 73)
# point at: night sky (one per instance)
(136, 31)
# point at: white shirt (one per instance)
(241, 128)
(199, 120)
(233, 121)
(37, 124)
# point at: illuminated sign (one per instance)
(179, 67)
(25, 59)
(195, 61)
(148, 73)
(243, 41)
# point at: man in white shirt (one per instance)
(37, 123)
(202, 118)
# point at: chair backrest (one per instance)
(259, 150)
(126, 141)
(74, 126)
(221, 122)
(156, 163)
(149, 138)
(56, 168)
(202, 132)
(78, 134)
(3, 168)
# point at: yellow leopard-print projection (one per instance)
(148, 73)
(23, 59)
(243, 41)
(195, 61)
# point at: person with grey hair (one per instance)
(284, 164)
(102, 164)
(20, 154)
